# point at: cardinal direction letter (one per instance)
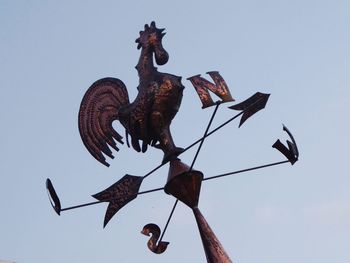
(219, 88)
(154, 231)
(291, 152)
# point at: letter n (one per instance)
(219, 88)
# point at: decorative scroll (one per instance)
(154, 231)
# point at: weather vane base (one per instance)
(184, 183)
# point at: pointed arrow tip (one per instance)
(251, 105)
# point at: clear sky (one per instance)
(52, 51)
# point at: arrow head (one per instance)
(251, 105)
(119, 194)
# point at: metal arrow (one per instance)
(55, 201)
(118, 198)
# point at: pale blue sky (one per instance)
(51, 52)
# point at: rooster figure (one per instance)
(147, 118)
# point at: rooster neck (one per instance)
(145, 67)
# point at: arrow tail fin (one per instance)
(119, 194)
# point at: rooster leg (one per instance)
(162, 132)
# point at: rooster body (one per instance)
(147, 118)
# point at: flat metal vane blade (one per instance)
(119, 194)
(251, 105)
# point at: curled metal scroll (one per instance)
(154, 231)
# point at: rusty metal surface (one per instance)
(214, 251)
(98, 109)
(147, 118)
(119, 194)
(183, 183)
(202, 86)
(154, 231)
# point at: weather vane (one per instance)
(147, 120)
